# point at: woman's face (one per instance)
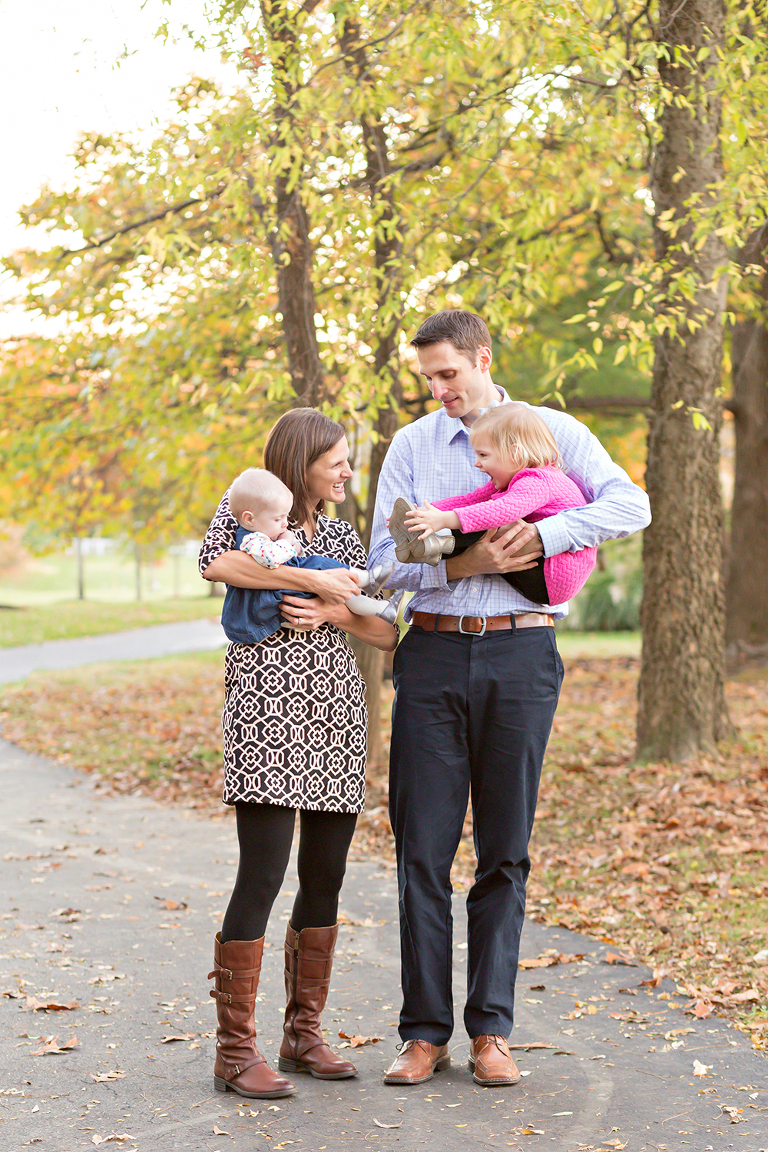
(327, 475)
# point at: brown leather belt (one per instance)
(479, 625)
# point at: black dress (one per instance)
(294, 719)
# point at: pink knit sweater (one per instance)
(533, 494)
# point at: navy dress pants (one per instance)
(472, 716)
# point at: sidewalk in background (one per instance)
(136, 644)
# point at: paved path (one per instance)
(113, 901)
(136, 644)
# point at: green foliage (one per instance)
(610, 601)
(277, 244)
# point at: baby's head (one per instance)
(260, 502)
(510, 437)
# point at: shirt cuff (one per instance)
(554, 535)
(436, 579)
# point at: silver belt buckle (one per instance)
(466, 632)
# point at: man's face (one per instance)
(461, 386)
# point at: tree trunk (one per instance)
(747, 587)
(682, 710)
(80, 568)
(385, 355)
(137, 558)
(289, 236)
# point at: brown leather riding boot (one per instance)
(239, 1065)
(308, 962)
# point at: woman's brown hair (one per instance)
(294, 443)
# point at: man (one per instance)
(477, 680)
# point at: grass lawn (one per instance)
(69, 618)
(37, 580)
(668, 862)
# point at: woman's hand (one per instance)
(428, 519)
(334, 585)
(303, 615)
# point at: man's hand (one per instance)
(513, 548)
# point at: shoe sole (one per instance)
(286, 1065)
(408, 548)
(222, 1085)
(440, 1066)
(491, 1082)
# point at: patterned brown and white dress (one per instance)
(294, 716)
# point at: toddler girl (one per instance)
(517, 452)
(261, 504)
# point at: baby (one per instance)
(517, 452)
(261, 504)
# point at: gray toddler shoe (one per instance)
(408, 548)
(375, 578)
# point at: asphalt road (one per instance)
(112, 902)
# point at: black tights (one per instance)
(265, 833)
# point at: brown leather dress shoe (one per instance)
(490, 1061)
(418, 1061)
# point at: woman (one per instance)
(295, 726)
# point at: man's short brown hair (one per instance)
(464, 330)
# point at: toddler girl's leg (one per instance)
(323, 846)
(264, 832)
(532, 583)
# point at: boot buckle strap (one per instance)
(229, 998)
(236, 1069)
(233, 973)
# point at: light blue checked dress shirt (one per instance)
(432, 459)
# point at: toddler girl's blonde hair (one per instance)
(519, 435)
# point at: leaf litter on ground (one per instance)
(665, 863)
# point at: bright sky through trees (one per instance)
(89, 65)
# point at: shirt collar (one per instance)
(453, 427)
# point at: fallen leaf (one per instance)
(182, 1036)
(734, 1114)
(114, 1138)
(217, 1131)
(172, 906)
(105, 1077)
(617, 958)
(654, 981)
(550, 957)
(700, 1008)
(379, 1124)
(528, 1131)
(35, 1005)
(700, 1069)
(357, 1041)
(51, 1046)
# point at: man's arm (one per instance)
(512, 551)
(396, 479)
(617, 507)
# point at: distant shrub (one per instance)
(610, 602)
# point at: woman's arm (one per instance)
(372, 629)
(334, 585)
